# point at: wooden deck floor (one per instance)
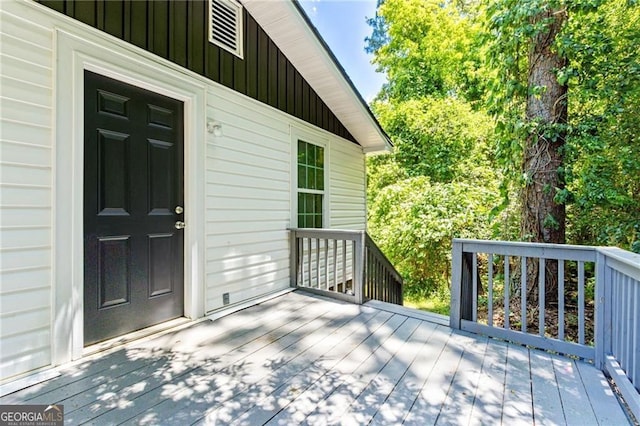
(301, 359)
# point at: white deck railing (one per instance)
(490, 278)
(343, 264)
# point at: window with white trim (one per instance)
(225, 25)
(311, 192)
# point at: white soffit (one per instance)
(283, 21)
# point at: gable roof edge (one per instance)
(290, 28)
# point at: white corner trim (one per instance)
(74, 53)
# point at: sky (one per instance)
(343, 25)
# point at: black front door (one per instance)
(133, 195)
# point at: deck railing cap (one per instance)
(521, 244)
(624, 256)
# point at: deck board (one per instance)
(333, 408)
(607, 410)
(210, 365)
(489, 396)
(401, 399)
(373, 397)
(302, 359)
(547, 404)
(262, 407)
(345, 371)
(458, 405)
(575, 402)
(284, 379)
(517, 402)
(257, 366)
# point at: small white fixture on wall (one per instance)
(214, 127)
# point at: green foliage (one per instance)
(511, 28)
(427, 48)
(601, 168)
(604, 143)
(438, 184)
(440, 181)
(455, 104)
(438, 302)
(440, 138)
(414, 221)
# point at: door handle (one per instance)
(180, 225)
(179, 210)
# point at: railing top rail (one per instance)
(373, 247)
(621, 260)
(626, 257)
(335, 234)
(541, 250)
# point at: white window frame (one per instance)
(316, 138)
(239, 27)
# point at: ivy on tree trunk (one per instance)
(543, 219)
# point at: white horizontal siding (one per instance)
(20, 258)
(25, 112)
(26, 91)
(26, 133)
(231, 241)
(249, 197)
(248, 191)
(248, 200)
(347, 183)
(15, 152)
(26, 179)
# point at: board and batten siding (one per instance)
(26, 191)
(247, 195)
(178, 32)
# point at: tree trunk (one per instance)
(543, 220)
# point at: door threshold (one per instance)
(146, 333)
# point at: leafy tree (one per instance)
(426, 48)
(414, 221)
(439, 183)
(594, 145)
(440, 138)
(604, 109)
(532, 103)
(561, 81)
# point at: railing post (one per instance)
(359, 268)
(601, 301)
(468, 291)
(456, 285)
(604, 310)
(293, 258)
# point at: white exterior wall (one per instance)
(348, 187)
(250, 182)
(26, 191)
(246, 198)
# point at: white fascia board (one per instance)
(287, 27)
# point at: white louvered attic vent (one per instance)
(225, 25)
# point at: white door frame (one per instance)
(116, 59)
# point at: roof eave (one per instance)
(290, 28)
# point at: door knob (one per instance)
(179, 210)
(179, 225)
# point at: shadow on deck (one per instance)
(301, 358)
